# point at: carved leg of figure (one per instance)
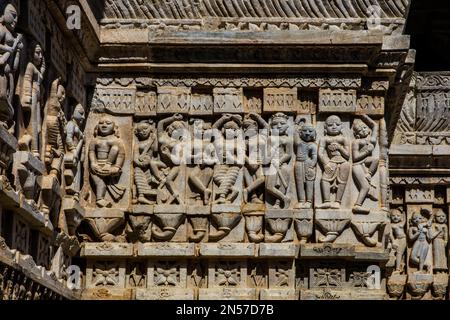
(194, 178)
(359, 176)
(342, 179)
(309, 194)
(399, 254)
(170, 183)
(253, 183)
(300, 183)
(325, 186)
(100, 187)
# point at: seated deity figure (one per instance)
(106, 158)
(226, 175)
(365, 165)
(305, 165)
(334, 156)
(10, 48)
(281, 150)
(171, 134)
(255, 145)
(31, 101)
(147, 174)
(203, 157)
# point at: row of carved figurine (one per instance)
(238, 151)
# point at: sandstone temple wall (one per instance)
(204, 150)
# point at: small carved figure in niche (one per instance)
(440, 241)
(397, 237)
(147, 172)
(228, 171)
(106, 158)
(365, 165)
(305, 166)
(421, 233)
(171, 134)
(281, 150)
(10, 48)
(74, 155)
(31, 102)
(255, 142)
(204, 158)
(55, 128)
(334, 156)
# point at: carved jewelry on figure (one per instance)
(334, 156)
(106, 158)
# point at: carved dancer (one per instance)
(55, 128)
(10, 48)
(74, 155)
(31, 101)
(281, 146)
(146, 165)
(201, 175)
(305, 166)
(397, 238)
(334, 156)
(365, 165)
(420, 232)
(226, 175)
(255, 142)
(440, 229)
(106, 158)
(171, 132)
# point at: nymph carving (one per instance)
(10, 48)
(31, 102)
(55, 129)
(74, 151)
(106, 158)
(440, 231)
(305, 166)
(421, 234)
(281, 150)
(147, 173)
(397, 238)
(365, 165)
(256, 130)
(334, 156)
(226, 175)
(203, 157)
(171, 132)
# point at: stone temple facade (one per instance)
(209, 149)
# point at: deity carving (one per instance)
(334, 156)
(10, 50)
(203, 158)
(171, 135)
(365, 165)
(256, 131)
(74, 151)
(56, 122)
(422, 235)
(281, 150)
(440, 230)
(146, 166)
(31, 101)
(227, 172)
(397, 238)
(306, 162)
(106, 158)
